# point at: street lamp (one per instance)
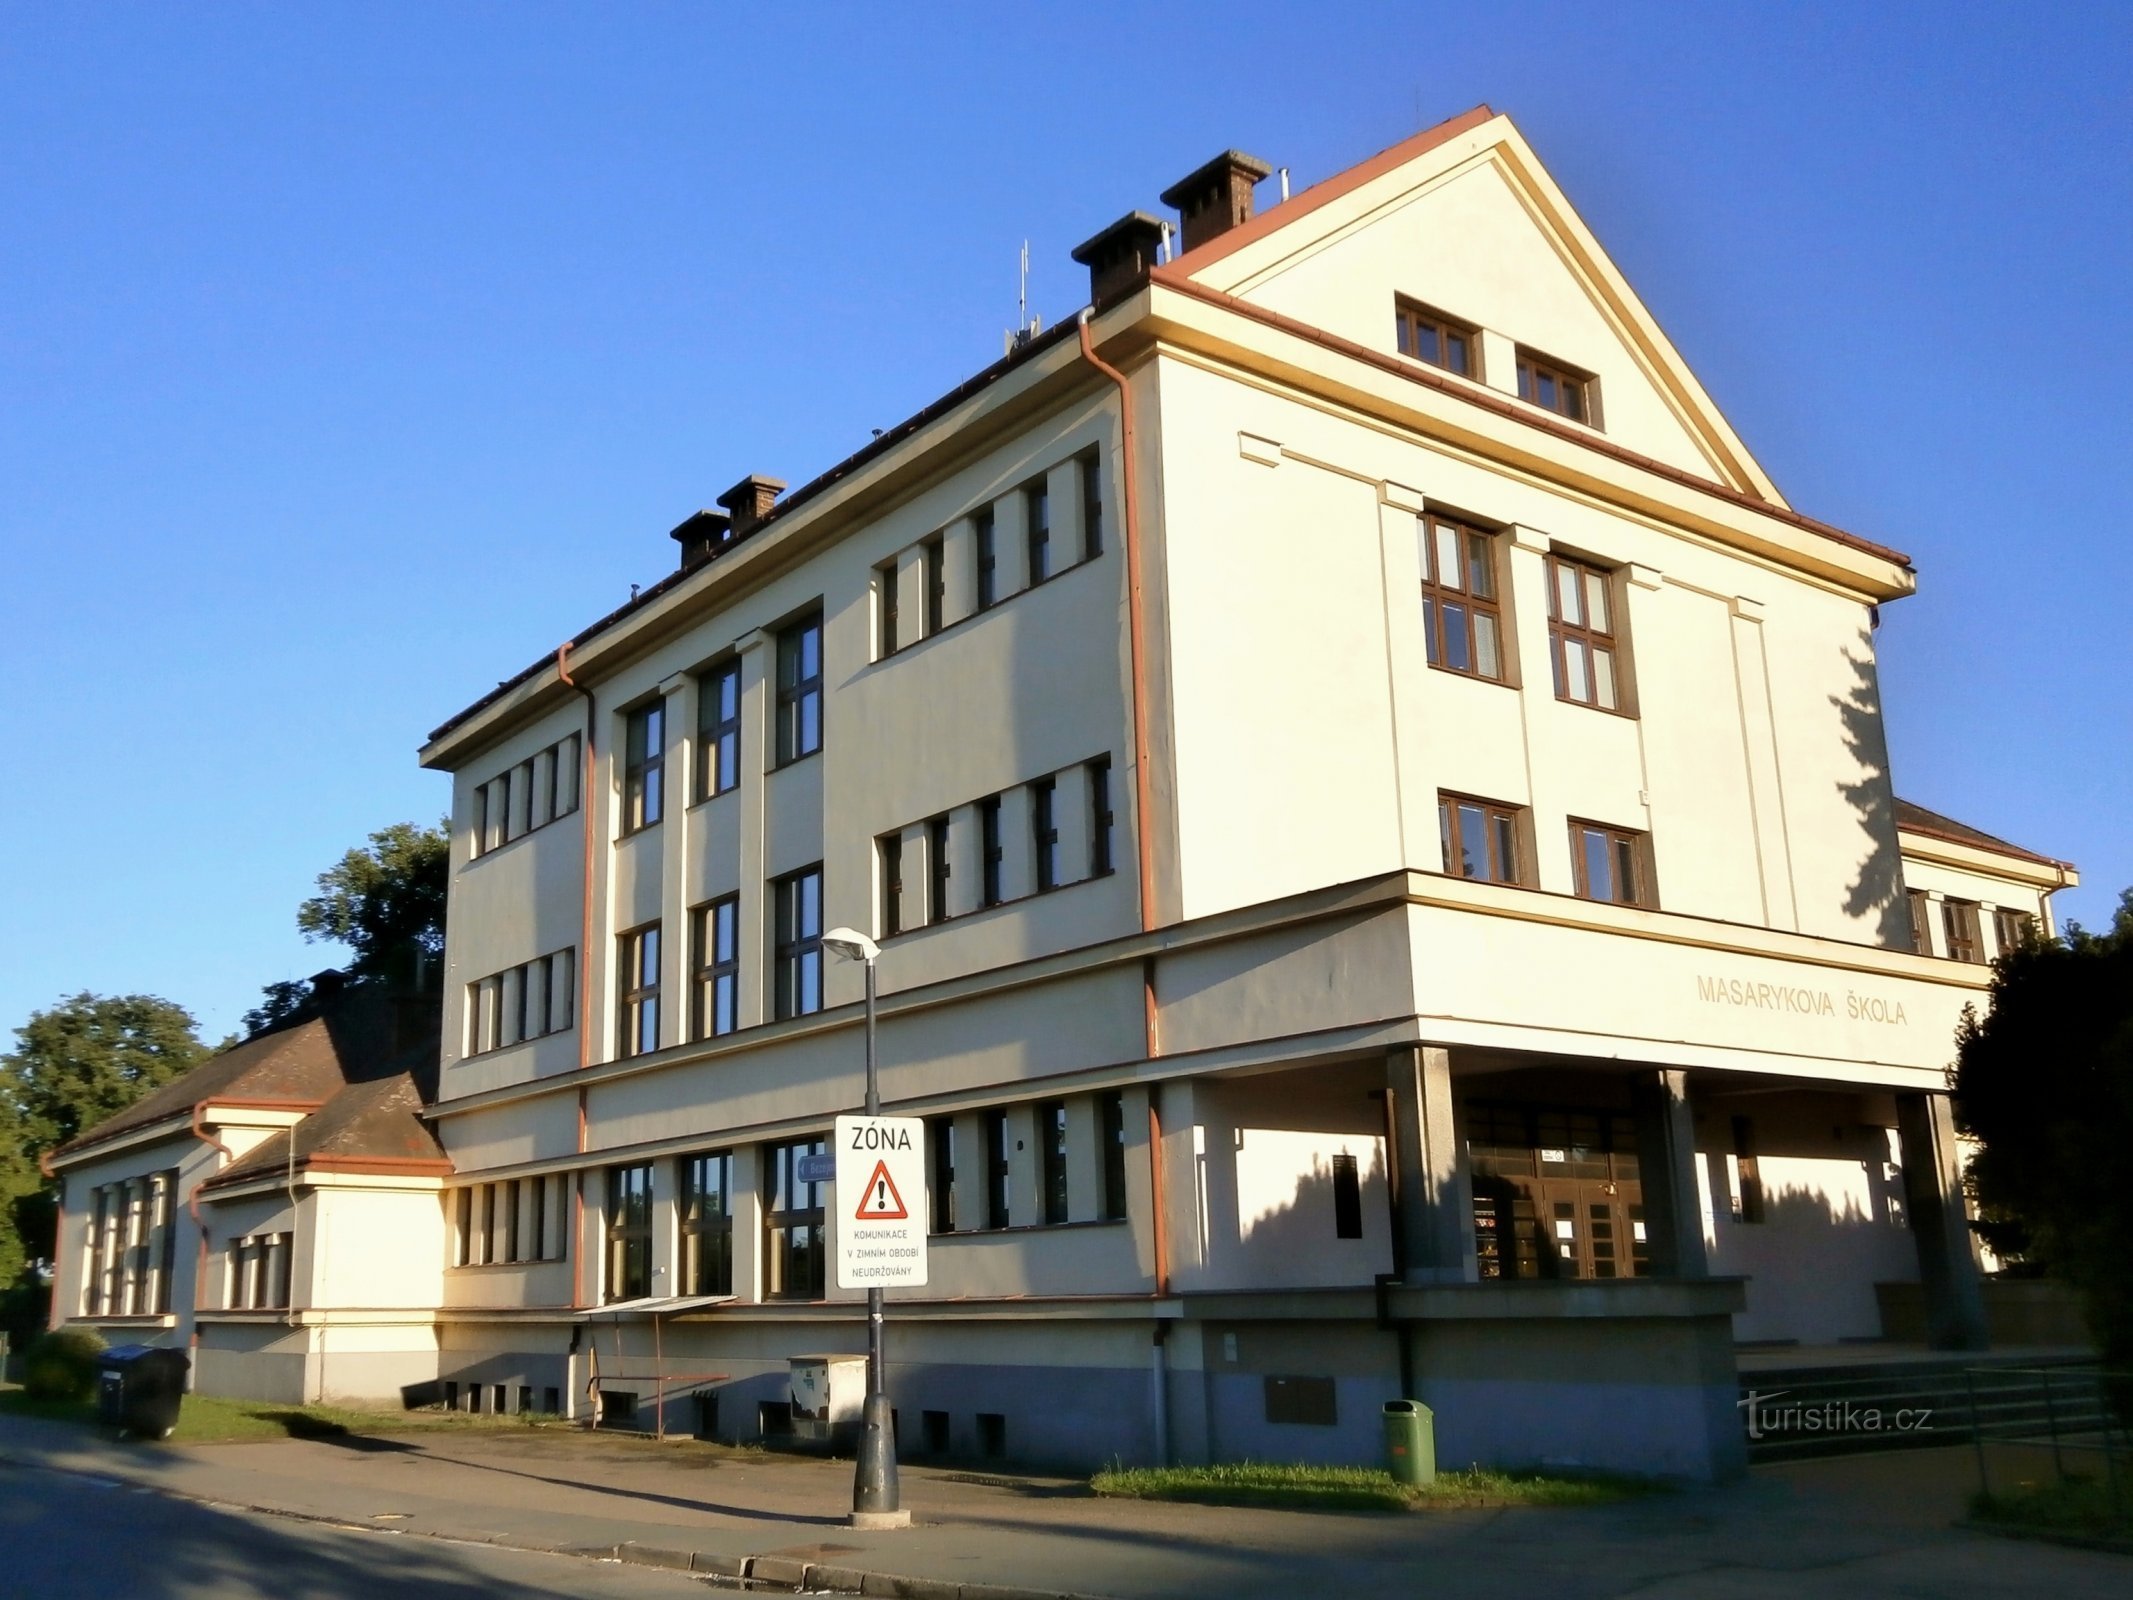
(875, 1497)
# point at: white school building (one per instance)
(1376, 814)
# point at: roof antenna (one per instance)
(1026, 326)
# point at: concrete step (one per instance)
(1825, 1409)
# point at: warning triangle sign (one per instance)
(879, 1201)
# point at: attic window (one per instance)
(1431, 336)
(1549, 384)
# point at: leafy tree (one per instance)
(73, 1065)
(2044, 1083)
(385, 902)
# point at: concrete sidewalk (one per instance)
(1867, 1526)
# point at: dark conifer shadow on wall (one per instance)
(1876, 891)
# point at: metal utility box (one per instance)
(828, 1395)
(139, 1389)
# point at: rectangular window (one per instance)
(639, 991)
(2012, 929)
(1044, 832)
(706, 1219)
(1609, 864)
(933, 558)
(528, 1001)
(981, 529)
(795, 1241)
(999, 1212)
(797, 959)
(889, 848)
(989, 852)
(1037, 510)
(1461, 618)
(259, 1272)
(629, 1233)
(716, 939)
(1581, 634)
(1959, 923)
(1433, 337)
(1921, 909)
(1554, 387)
(937, 870)
(1111, 1129)
(1480, 839)
(1347, 1198)
(800, 689)
(718, 730)
(885, 609)
(1052, 1153)
(644, 766)
(1092, 506)
(530, 795)
(940, 1157)
(1101, 820)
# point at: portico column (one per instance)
(1933, 1193)
(1666, 1172)
(1432, 1198)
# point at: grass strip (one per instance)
(1309, 1488)
(2078, 1505)
(212, 1419)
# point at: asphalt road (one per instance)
(70, 1538)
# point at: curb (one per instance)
(783, 1574)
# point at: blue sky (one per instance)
(353, 356)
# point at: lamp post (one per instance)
(876, 1499)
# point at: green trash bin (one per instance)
(1410, 1442)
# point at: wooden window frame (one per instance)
(715, 977)
(629, 1238)
(1576, 393)
(1111, 1131)
(991, 853)
(799, 692)
(803, 1208)
(1054, 1128)
(940, 1174)
(938, 870)
(2011, 929)
(1920, 906)
(1453, 608)
(718, 734)
(933, 564)
(706, 1236)
(1037, 531)
(1960, 925)
(637, 1000)
(1495, 816)
(1570, 634)
(999, 1170)
(985, 553)
(1046, 865)
(887, 611)
(1103, 819)
(644, 765)
(796, 951)
(889, 853)
(1638, 845)
(1411, 318)
(1090, 465)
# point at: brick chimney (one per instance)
(1215, 198)
(702, 536)
(1120, 256)
(749, 502)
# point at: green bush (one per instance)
(61, 1365)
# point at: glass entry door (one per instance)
(1556, 1193)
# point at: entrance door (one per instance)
(1556, 1193)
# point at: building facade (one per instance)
(1377, 819)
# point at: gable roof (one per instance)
(295, 1066)
(374, 1126)
(1240, 260)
